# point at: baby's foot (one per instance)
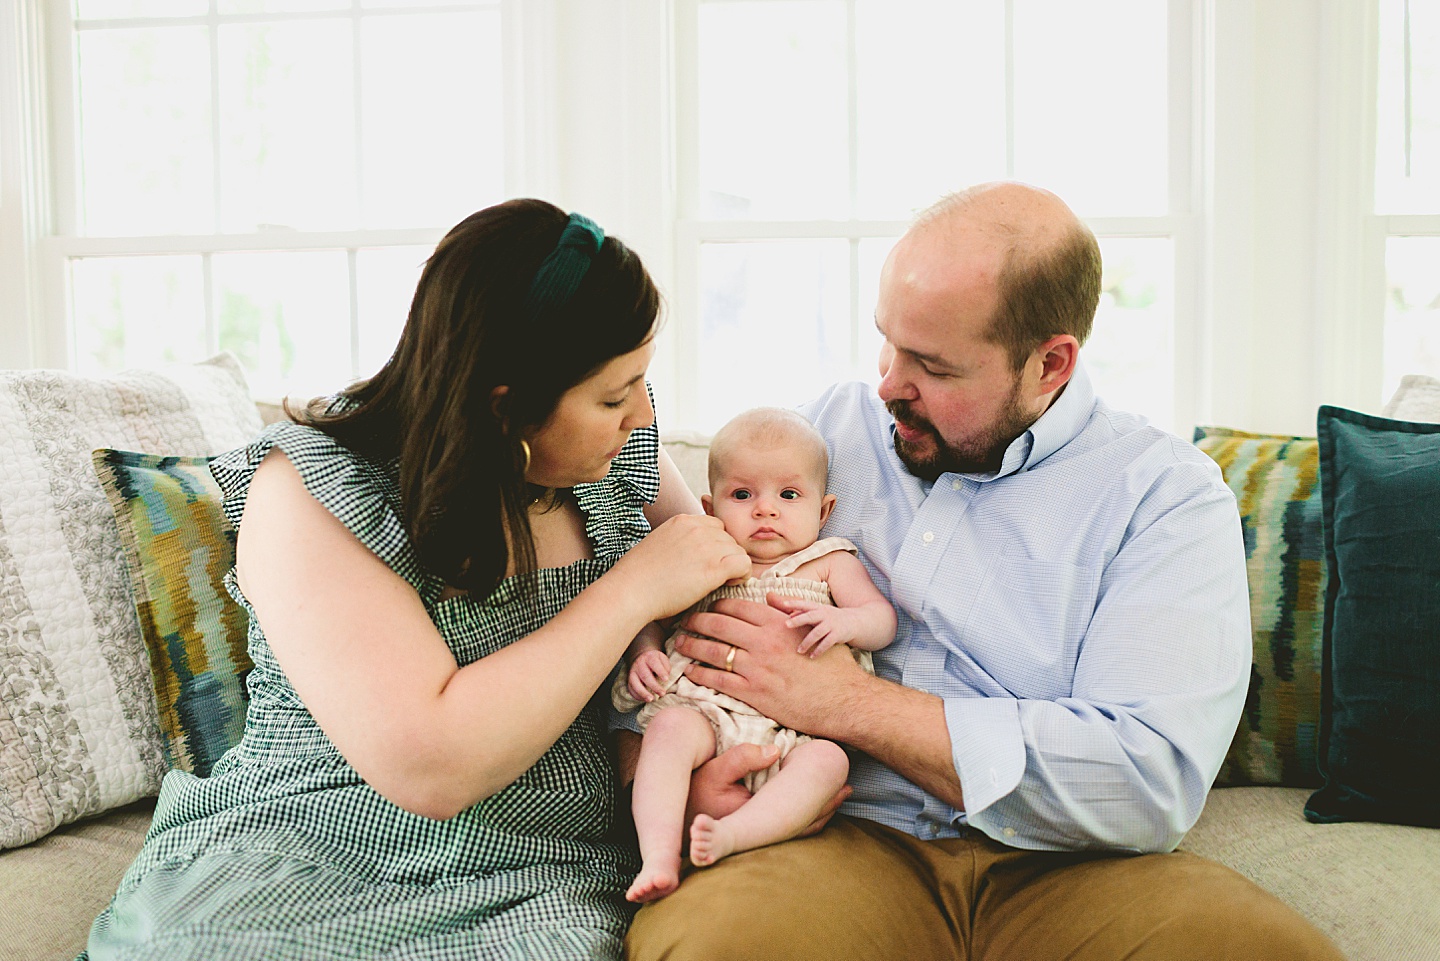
(654, 882)
(710, 840)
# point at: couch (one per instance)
(72, 828)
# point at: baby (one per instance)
(767, 479)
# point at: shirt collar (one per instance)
(1058, 426)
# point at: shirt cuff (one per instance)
(987, 746)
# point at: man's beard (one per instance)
(981, 454)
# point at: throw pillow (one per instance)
(179, 547)
(1417, 398)
(78, 727)
(1380, 720)
(1276, 481)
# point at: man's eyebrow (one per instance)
(934, 360)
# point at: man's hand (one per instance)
(717, 787)
(649, 673)
(808, 694)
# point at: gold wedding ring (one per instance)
(730, 660)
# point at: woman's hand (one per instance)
(680, 562)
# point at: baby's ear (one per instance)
(707, 504)
(827, 504)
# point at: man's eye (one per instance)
(741, 495)
(789, 494)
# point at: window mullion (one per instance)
(212, 324)
(216, 144)
(352, 256)
(1349, 291)
(852, 73)
(1009, 89)
(1192, 357)
(707, 231)
(265, 240)
(688, 233)
(852, 103)
(25, 177)
(357, 128)
(357, 120)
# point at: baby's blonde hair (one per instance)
(768, 427)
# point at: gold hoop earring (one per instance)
(525, 453)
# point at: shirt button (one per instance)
(928, 536)
(1009, 832)
(955, 484)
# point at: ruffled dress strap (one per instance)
(362, 494)
(820, 548)
(613, 521)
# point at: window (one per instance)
(1407, 185)
(265, 176)
(813, 130)
(1255, 173)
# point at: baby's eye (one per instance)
(789, 494)
(741, 495)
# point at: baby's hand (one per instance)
(829, 626)
(649, 673)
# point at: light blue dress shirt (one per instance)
(1083, 612)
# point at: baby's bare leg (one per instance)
(787, 803)
(676, 742)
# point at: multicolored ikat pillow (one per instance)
(178, 547)
(1276, 480)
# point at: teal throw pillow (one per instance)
(178, 547)
(1276, 482)
(1380, 707)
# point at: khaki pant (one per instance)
(862, 890)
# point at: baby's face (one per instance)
(770, 501)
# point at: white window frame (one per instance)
(1282, 310)
(1181, 225)
(41, 172)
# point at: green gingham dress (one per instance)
(283, 852)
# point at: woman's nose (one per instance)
(642, 414)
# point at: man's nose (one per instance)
(895, 386)
(895, 383)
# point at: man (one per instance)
(1071, 660)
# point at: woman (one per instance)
(441, 568)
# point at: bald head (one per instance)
(1027, 247)
(769, 428)
(1010, 207)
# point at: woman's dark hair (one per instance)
(461, 466)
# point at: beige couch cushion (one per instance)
(52, 890)
(1371, 887)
